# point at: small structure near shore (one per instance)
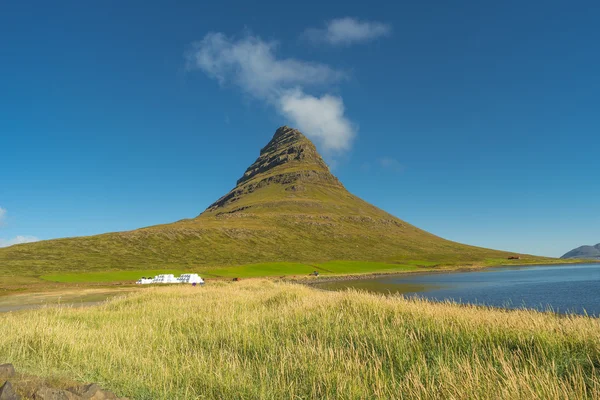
(170, 278)
(190, 278)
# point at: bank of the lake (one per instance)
(561, 288)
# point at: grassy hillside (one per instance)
(287, 207)
(260, 339)
(246, 239)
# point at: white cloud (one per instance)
(17, 240)
(322, 116)
(346, 31)
(2, 215)
(391, 164)
(251, 64)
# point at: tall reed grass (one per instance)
(269, 340)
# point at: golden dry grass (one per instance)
(270, 340)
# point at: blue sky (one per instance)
(478, 122)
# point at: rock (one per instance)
(46, 393)
(7, 371)
(104, 395)
(94, 392)
(86, 391)
(7, 392)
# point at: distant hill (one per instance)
(585, 252)
(287, 206)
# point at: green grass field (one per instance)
(259, 339)
(109, 276)
(245, 271)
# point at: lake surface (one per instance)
(562, 288)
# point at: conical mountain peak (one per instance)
(288, 145)
(290, 160)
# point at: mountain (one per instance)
(585, 252)
(287, 206)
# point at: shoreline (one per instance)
(312, 280)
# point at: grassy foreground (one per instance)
(263, 339)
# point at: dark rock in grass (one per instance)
(94, 392)
(8, 393)
(46, 393)
(86, 391)
(7, 371)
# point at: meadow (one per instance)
(246, 271)
(271, 340)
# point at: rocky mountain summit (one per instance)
(584, 252)
(287, 146)
(289, 159)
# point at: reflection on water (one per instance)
(562, 288)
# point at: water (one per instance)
(561, 288)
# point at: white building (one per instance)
(165, 278)
(170, 278)
(190, 278)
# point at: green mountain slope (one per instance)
(286, 207)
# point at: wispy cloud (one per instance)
(347, 31)
(251, 64)
(17, 240)
(391, 164)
